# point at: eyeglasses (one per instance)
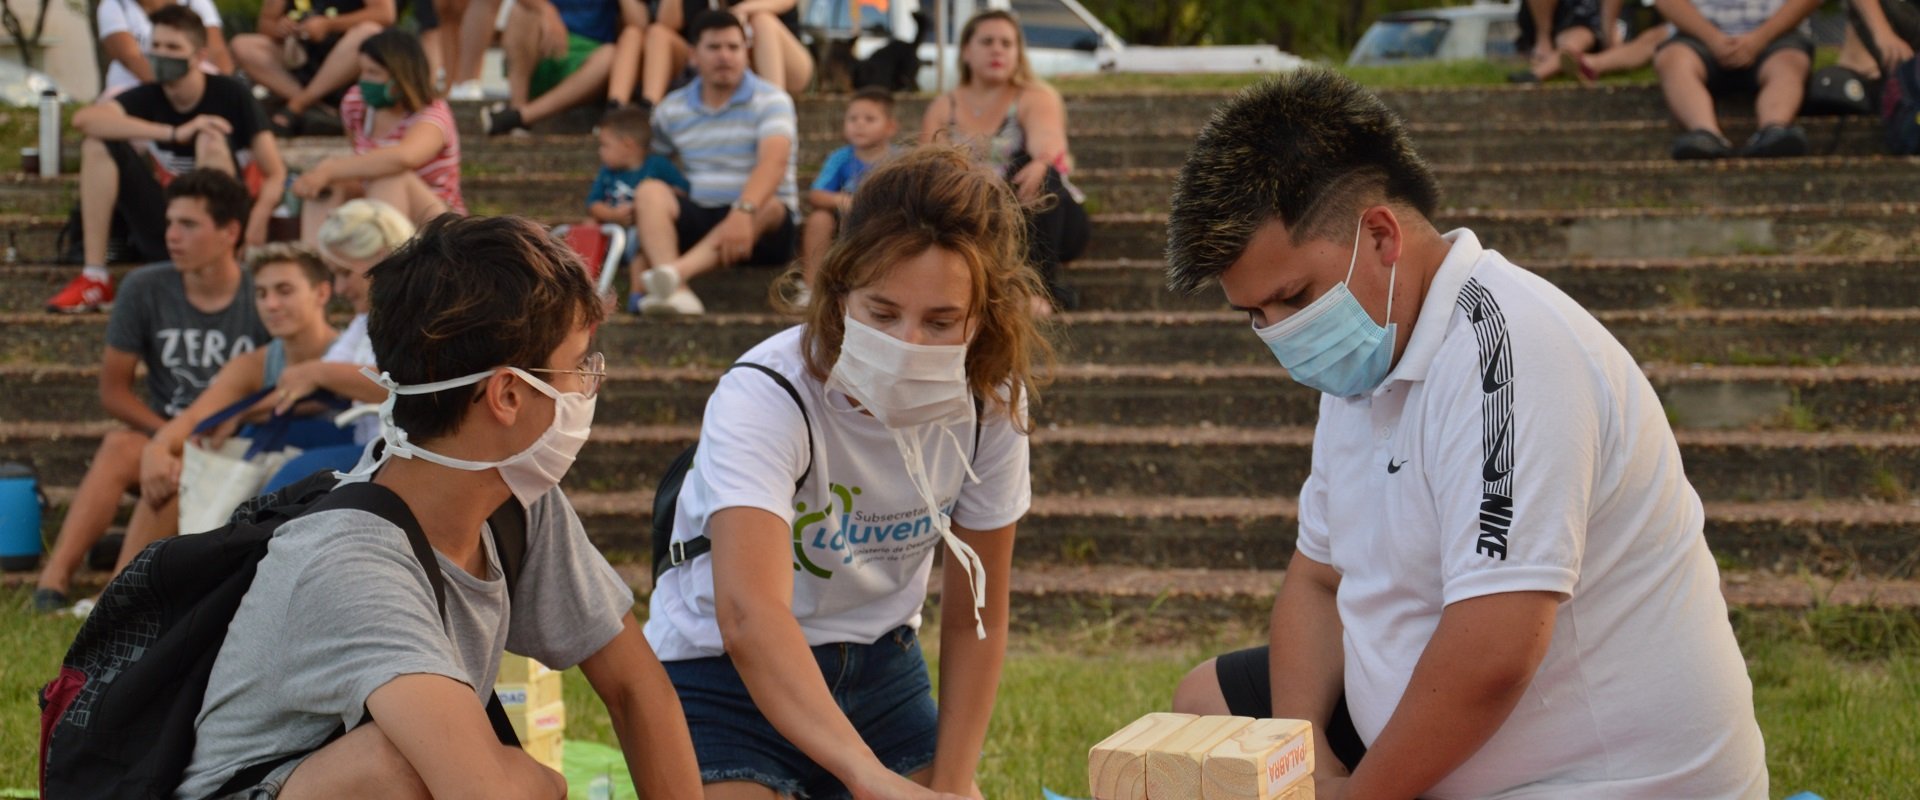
(592, 372)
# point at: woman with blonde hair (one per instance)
(1014, 122)
(889, 425)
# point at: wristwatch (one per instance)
(744, 207)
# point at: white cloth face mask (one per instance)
(911, 388)
(530, 473)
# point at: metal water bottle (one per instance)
(49, 133)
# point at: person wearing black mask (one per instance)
(136, 144)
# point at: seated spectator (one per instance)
(290, 293)
(126, 37)
(1583, 37)
(1736, 45)
(406, 149)
(869, 128)
(309, 54)
(626, 139)
(182, 321)
(562, 53)
(356, 236)
(1017, 124)
(341, 629)
(1553, 29)
(773, 27)
(1887, 31)
(137, 143)
(735, 136)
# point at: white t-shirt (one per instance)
(126, 16)
(864, 576)
(1518, 447)
(353, 346)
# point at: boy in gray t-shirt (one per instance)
(182, 320)
(341, 628)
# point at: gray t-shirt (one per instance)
(182, 346)
(340, 607)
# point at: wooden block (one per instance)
(518, 669)
(543, 689)
(1173, 765)
(1117, 767)
(533, 722)
(1270, 759)
(546, 748)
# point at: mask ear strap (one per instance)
(1352, 262)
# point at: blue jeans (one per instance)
(882, 688)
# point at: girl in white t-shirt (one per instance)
(793, 641)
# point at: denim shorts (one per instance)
(882, 687)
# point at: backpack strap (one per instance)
(682, 552)
(509, 523)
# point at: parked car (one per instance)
(1476, 32)
(1063, 38)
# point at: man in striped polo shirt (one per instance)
(735, 137)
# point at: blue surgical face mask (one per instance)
(1333, 344)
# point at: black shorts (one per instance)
(1720, 78)
(1567, 14)
(774, 249)
(1245, 684)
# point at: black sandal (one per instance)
(286, 124)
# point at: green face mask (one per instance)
(376, 94)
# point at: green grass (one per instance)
(1834, 688)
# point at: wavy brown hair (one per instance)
(936, 196)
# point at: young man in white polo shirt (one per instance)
(1500, 587)
(735, 137)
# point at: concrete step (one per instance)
(1884, 229)
(560, 191)
(1113, 143)
(1621, 233)
(1253, 396)
(1190, 460)
(1723, 282)
(820, 115)
(1739, 337)
(1634, 185)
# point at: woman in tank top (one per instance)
(1015, 122)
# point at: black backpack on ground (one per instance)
(667, 553)
(118, 722)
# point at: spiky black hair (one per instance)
(1308, 148)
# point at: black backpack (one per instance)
(118, 722)
(667, 553)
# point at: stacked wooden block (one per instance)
(531, 695)
(1186, 757)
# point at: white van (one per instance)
(1063, 38)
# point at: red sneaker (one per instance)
(82, 295)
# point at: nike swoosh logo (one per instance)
(1489, 470)
(1489, 383)
(1393, 468)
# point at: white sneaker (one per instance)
(665, 295)
(466, 90)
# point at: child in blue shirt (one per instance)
(869, 128)
(626, 134)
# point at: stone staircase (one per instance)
(1775, 306)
